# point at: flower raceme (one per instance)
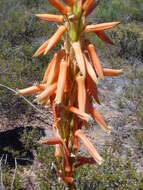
(70, 83)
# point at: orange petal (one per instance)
(52, 141)
(57, 151)
(75, 138)
(81, 93)
(46, 74)
(69, 2)
(55, 68)
(84, 160)
(87, 4)
(98, 27)
(61, 82)
(112, 72)
(67, 84)
(92, 89)
(95, 61)
(104, 37)
(81, 115)
(41, 49)
(58, 5)
(99, 120)
(55, 38)
(90, 70)
(91, 8)
(79, 57)
(51, 18)
(32, 90)
(89, 146)
(49, 91)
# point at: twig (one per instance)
(5, 161)
(13, 179)
(15, 92)
(1, 176)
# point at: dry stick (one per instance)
(1, 176)
(12, 90)
(5, 161)
(13, 179)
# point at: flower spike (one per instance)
(69, 83)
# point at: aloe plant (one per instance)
(70, 83)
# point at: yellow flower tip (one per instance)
(102, 77)
(37, 15)
(101, 161)
(42, 141)
(17, 92)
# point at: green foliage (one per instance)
(30, 138)
(109, 10)
(138, 134)
(113, 174)
(8, 178)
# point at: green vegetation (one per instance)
(120, 10)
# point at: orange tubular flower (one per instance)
(87, 5)
(69, 2)
(104, 37)
(99, 119)
(41, 49)
(32, 90)
(83, 160)
(100, 27)
(49, 91)
(67, 180)
(55, 61)
(83, 116)
(89, 146)
(79, 57)
(92, 89)
(112, 72)
(81, 93)
(58, 5)
(95, 61)
(91, 8)
(54, 70)
(51, 18)
(90, 70)
(55, 39)
(61, 82)
(46, 74)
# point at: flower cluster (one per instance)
(70, 83)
